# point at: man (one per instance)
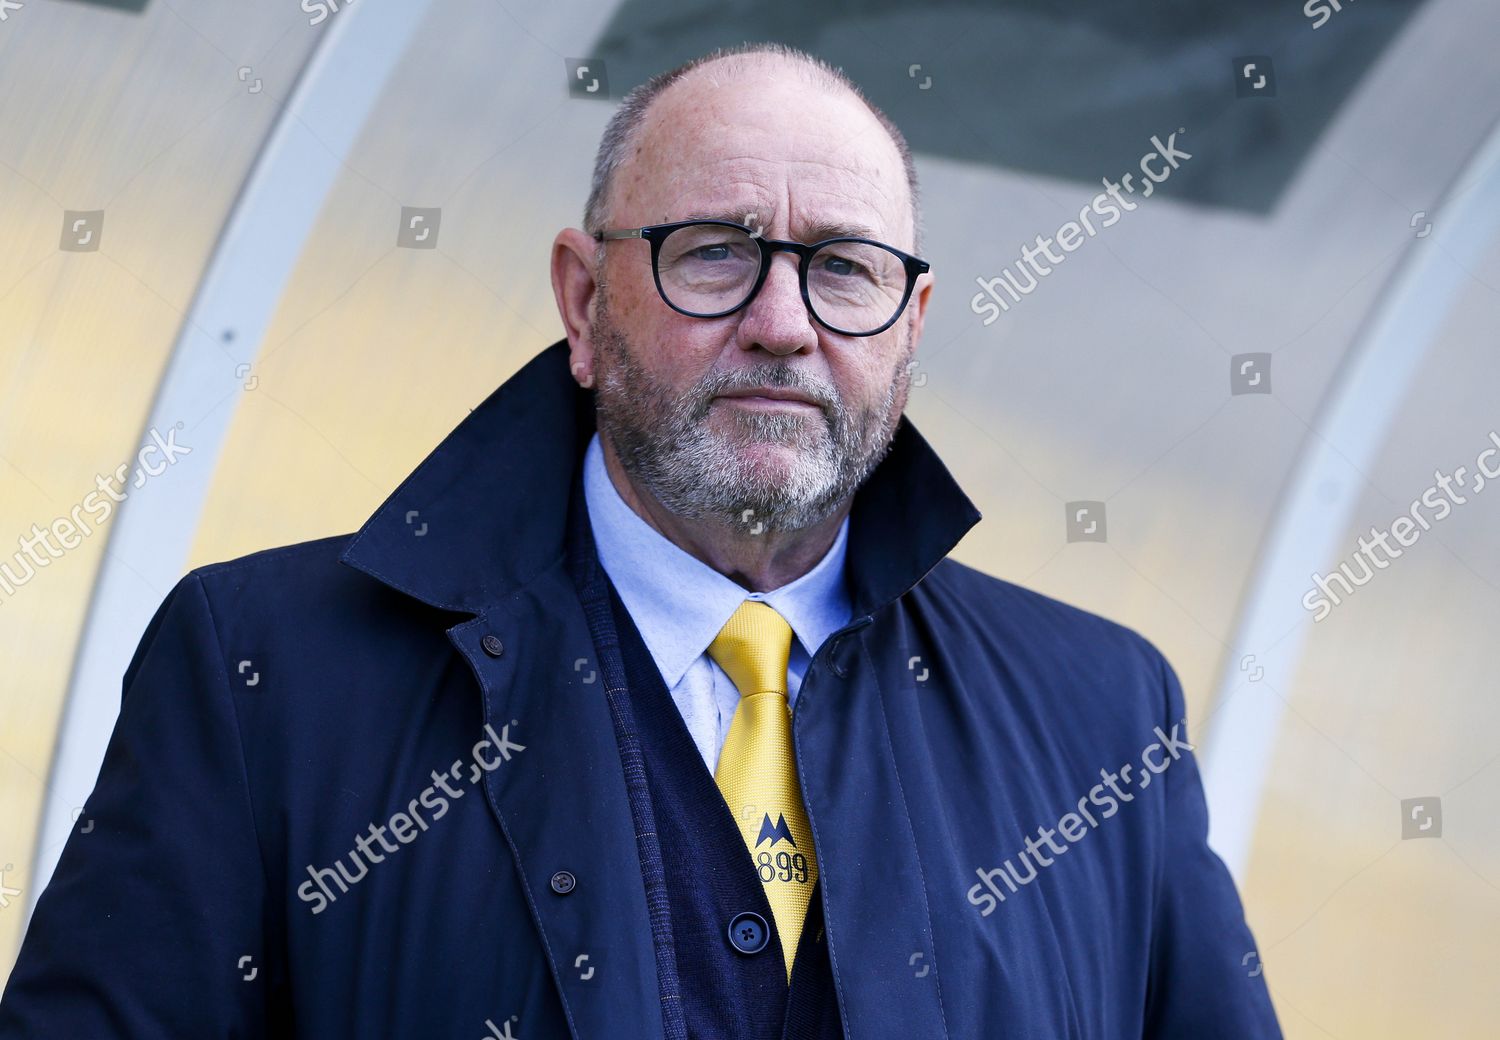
(671, 718)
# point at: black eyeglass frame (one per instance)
(656, 234)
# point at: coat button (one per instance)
(748, 932)
(492, 645)
(563, 882)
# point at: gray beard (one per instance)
(667, 447)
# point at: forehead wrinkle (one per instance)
(814, 225)
(693, 126)
(791, 160)
(761, 187)
(764, 164)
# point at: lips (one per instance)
(773, 393)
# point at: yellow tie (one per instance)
(757, 774)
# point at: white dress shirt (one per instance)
(680, 603)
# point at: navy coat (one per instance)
(368, 786)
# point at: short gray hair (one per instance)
(625, 124)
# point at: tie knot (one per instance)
(753, 648)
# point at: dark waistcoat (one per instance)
(698, 873)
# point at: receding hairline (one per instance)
(622, 134)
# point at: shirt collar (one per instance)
(678, 602)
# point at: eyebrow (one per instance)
(813, 233)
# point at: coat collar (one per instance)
(486, 511)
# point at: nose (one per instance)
(777, 319)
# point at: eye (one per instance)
(843, 266)
(717, 251)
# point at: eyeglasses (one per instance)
(712, 268)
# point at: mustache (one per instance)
(777, 377)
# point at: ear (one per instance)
(573, 285)
(920, 297)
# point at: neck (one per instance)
(756, 562)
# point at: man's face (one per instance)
(767, 150)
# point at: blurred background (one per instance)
(266, 255)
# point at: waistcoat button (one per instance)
(748, 932)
